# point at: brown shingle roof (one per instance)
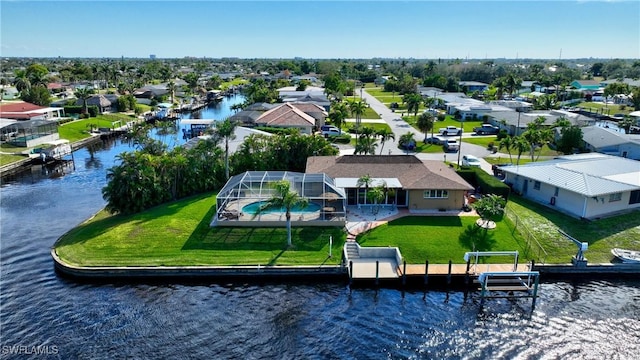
(412, 172)
(285, 115)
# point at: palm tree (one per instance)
(425, 123)
(406, 140)
(357, 108)
(413, 102)
(429, 102)
(338, 113)
(512, 83)
(626, 123)
(366, 145)
(171, 86)
(226, 131)
(385, 135)
(364, 180)
(21, 82)
(507, 143)
(283, 198)
(376, 195)
(84, 94)
(521, 145)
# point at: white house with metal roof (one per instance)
(611, 142)
(584, 185)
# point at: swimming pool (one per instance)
(253, 208)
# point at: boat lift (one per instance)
(578, 260)
(503, 284)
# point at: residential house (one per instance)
(418, 185)
(516, 122)
(9, 93)
(583, 85)
(472, 86)
(100, 101)
(251, 113)
(27, 111)
(28, 133)
(150, 91)
(313, 95)
(288, 116)
(584, 185)
(610, 142)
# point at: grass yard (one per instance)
(79, 129)
(602, 235)
(369, 113)
(10, 158)
(605, 108)
(179, 234)
(482, 140)
(442, 238)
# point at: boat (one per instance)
(52, 150)
(626, 256)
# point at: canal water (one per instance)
(42, 313)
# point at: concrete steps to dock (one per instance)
(352, 250)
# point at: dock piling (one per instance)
(404, 273)
(426, 272)
(377, 272)
(449, 273)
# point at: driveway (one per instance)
(401, 127)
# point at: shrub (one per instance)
(487, 183)
(502, 134)
(93, 110)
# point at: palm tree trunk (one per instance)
(226, 157)
(288, 228)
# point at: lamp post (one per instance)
(460, 141)
(518, 128)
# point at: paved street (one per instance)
(400, 127)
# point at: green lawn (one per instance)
(374, 126)
(602, 235)
(482, 140)
(79, 129)
(369, 113)
(179, 234)
(442, 238)
(10, 158)
(605, 108)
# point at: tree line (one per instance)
(153, 174)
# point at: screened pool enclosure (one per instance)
(239, 200)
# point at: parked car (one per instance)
(328, 130)
(451, 145)
(435, 139)
(450, 130)
(470, 160)
(486, 129)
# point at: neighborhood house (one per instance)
(583, 185)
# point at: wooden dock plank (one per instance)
(461, 269)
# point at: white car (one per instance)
(470, 160)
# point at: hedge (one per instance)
(93, 110)
(486, 182)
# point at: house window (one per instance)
(536, 185)
(436, 194)
(615, 197)
(634, 197)
(555, 193)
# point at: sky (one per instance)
(322, 29)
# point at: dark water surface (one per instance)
(68, 320)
